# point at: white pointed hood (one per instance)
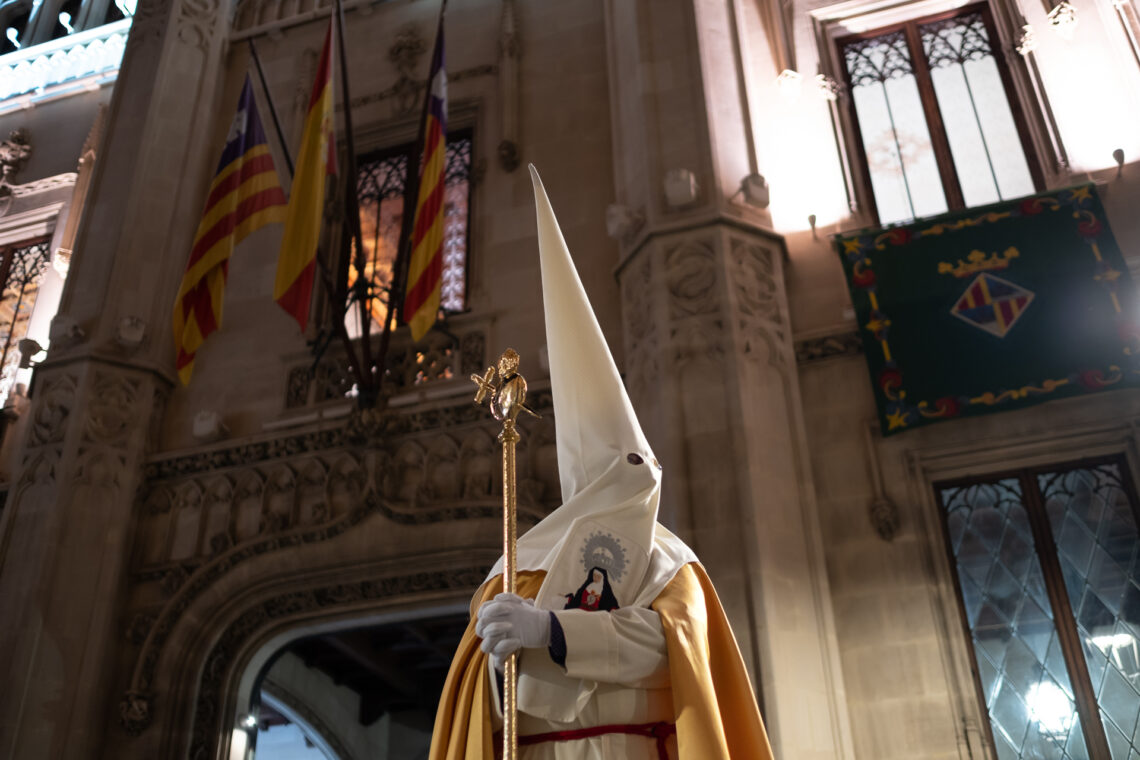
(611, 481)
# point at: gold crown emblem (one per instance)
(977, 261)
(605, 551)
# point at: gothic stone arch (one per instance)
(204, 674)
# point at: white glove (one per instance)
(508, 623)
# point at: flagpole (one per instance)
(352, 203)
(411, 193)
(272, 108)
(325, 278)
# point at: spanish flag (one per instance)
(425, 267)
(244, 196)
(316, 159)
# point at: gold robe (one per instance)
(714, 707)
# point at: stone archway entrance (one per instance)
(377, 612)
(364, 693)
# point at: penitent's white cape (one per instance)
(611, 481)
(665, 657)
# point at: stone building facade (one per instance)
(160, 545)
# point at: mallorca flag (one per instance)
(316, 159)
(425, 267)
(244, 196)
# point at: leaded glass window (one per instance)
(1047, 564)
(937, 126)
(381, 180)
(21, 269)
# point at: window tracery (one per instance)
(381, 181)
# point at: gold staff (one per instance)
(507, 397)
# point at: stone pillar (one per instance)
(709, 357)
(65, 538)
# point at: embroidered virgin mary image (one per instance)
(594, 594)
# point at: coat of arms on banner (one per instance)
(993, 308)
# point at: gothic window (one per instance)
(381, 180)
(22, 267)
(1047, 565)
(937, 124)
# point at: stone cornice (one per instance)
(708, 219)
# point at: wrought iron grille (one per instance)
(24, 267)
(381, 182)
(875, 60)
(955, 40)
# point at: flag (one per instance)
(244, 196)
(295, 266)
(993, 308)
(425, 267)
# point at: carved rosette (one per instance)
(693, 279)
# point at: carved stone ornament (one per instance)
(196, 21)
(405, 55)
(827, 346)
(242, 502)
(130, 333)
(681, 188)
(147, 24)
(14, 153)
(407, 50)
(134, 712)
(50, 413)
(885, 518)
(757, 290)
(111, 411)
(509, 157)
(623, 222)
(65, 331)
(691, 276)
(641, 334)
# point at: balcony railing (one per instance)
(72, 63)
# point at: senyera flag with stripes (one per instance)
(425, 266)
(244, 196)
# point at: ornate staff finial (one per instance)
(507, 391)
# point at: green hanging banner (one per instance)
(993, 308)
